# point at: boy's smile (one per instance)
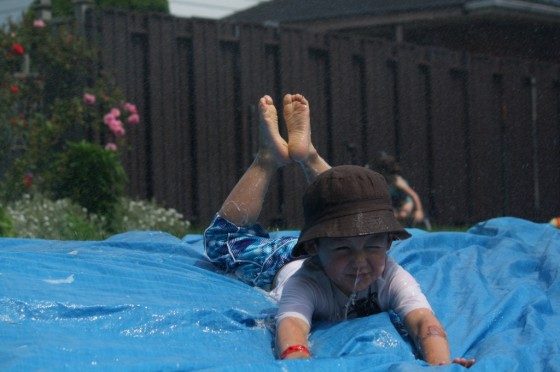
(353, 263)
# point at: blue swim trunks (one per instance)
(248, 252)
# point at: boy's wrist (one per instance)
(297, 351)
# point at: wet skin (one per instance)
(353, 263)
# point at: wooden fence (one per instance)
(478, 137)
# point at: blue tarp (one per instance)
(150, 301)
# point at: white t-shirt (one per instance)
(304, 291)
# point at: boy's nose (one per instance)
(359, 259)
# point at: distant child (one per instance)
(338, 268)
(406, 202)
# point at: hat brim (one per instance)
(356, 224)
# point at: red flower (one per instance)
(14, 89)
(28, 180)
(17, 49)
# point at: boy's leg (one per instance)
(243, 205)
(233, 242)
(300, 147)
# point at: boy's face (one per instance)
(353, 263)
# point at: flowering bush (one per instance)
(147, 215)
(50, 94)
(36, 216)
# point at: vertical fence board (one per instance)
(136, 161)
(155, 122)
(485, 134)
(169, 83)
(184, 116)
(227, 126)
(205, 44)
(518, 148)
(380, 98)
(412, 131)
(448, 139)
(548, 137)
(293, 54)
(344, 130)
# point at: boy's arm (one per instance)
(292, 331)
(431, 339)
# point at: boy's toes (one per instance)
(266, 100)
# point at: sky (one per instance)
(181, 8)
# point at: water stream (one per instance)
(352, 297)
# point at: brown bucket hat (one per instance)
(347, 200)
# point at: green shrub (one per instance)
(147, 215)
(90, 176)
(5, 223)
(65, 8)
(35, 216)
(141, 5)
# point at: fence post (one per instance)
(44, 10)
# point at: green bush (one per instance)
(35, 216)
(147, 215)
(65, 8)
(141, 5)
(90, 176)
(5, 223)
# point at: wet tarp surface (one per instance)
(150, 301)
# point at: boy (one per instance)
(349, 226)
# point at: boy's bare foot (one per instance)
(296, 115)
(272, 142)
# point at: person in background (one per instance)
(407, 205)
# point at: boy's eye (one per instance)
(342, 248)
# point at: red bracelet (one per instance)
(294, 349)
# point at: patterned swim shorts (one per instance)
(248, 252)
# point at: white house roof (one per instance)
(209, 8)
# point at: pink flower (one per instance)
(39, 23)
(130, 107)
(115, 112)
(14, 89)
(133, 119)
(111, 146)
(109, 118)
(89, 99)
(116, 126)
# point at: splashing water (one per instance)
(352, 298)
